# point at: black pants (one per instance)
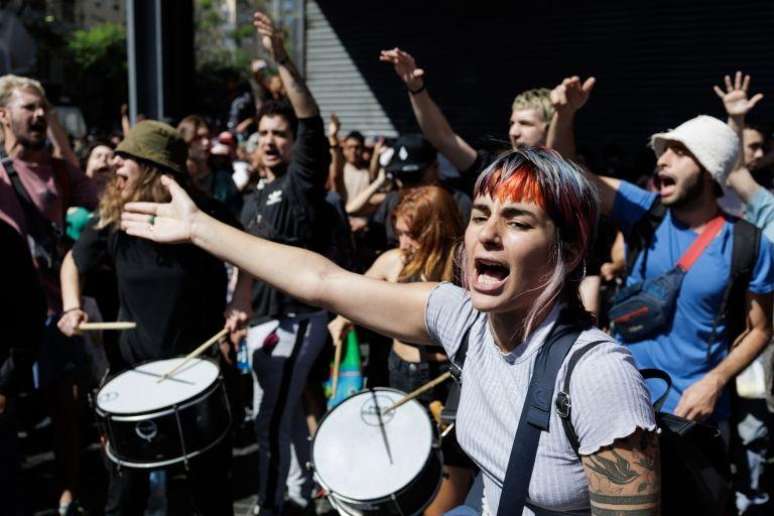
(206, 490)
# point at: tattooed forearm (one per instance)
(625, 478)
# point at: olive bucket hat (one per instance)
(157, 143)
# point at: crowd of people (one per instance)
(443, 257)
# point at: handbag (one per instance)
(646, 308)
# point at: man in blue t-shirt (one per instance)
(693, 161)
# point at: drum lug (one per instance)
(310, 466)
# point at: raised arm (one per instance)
(299, 95)
(567, 99)
(59, 140)
(737, 106)
(396, 310)
(435, 127)
(336, 171)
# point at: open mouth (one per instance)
(490, 275)
(665, 184)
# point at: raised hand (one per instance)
(405, 67)
(735, 96)
(334, 126)
(271, 36)
(572, 94)
(169, 223)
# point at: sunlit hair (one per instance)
(189, 126)
(538, 99)
(542, 177)
(10, 83)
(148, 187)
(434, 221)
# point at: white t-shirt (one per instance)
(608, 395)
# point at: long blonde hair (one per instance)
(147, 188)
(434, 221)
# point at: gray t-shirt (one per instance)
(609, 401)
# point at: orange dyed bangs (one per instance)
(520, 186)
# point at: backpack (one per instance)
(536, 412)
(746, 244)
(695, 473)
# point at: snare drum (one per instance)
(152, 424)
(374, 463)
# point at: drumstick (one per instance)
(117, 325)
(336, 365)
(426, 387)
(195, 353)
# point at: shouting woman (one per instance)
(530, 229)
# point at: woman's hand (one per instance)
(70, 320)
(169, 223)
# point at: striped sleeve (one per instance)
(609, 398)
(448, 314)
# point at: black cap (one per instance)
(412, 154)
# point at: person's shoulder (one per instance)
(604, 356)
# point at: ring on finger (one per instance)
(152, 220)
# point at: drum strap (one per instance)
(535, 415)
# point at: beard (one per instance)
(692, 192)
(25, 139)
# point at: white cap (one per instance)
(713, 143)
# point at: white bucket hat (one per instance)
(713, 143)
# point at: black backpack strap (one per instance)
(535, 416)
(563, 400)
(744, 254)
(641, 234)
(458, 360)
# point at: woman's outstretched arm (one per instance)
(396, 310)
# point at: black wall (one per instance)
(655, 61)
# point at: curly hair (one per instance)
(434, 221)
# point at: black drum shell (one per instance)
(170, 435)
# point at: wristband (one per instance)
(71, 309)
(418, 90)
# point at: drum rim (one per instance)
(436, 452)
(157, 411)
(434, 448)
(168, 462)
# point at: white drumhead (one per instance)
(138, 390)
(350, 457)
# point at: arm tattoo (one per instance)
(625, 479)
(618, 471)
